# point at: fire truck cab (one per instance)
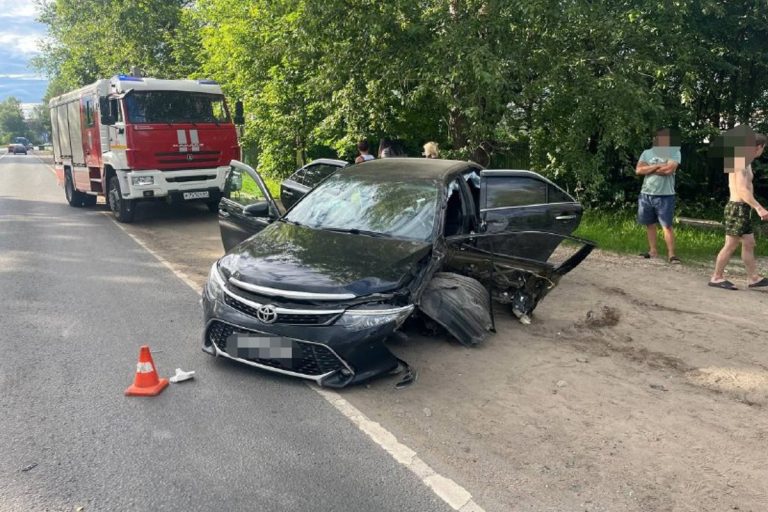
(135, 139)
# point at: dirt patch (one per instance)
(605, 317)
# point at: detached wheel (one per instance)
(122, 208)
(74, 198)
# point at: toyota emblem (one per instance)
(267, 314)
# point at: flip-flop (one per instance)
(675, 260)
(760, 283)
(725, 285)
(645, 255)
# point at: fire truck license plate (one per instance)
(196, 195)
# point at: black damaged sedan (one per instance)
(317, 290)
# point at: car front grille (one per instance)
(309, 358)
(283, 318)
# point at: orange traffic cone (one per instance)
(146, 382)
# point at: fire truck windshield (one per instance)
(175, 107)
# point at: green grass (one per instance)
(273, 185)
(619, 232)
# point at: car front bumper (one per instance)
(331, 355)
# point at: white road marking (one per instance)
(456, 496)
(446, 489)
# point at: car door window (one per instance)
(242, 188)
(557, 195)
(511, 191)
(456, 211)
(314, 174)
(297, 177)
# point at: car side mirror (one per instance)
(235, 181)
(239, 115)
(106, 117)
(258, 209)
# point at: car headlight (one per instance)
(142, 180)
(214, 286)
(360, 319)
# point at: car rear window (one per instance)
(314, 174)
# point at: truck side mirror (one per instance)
(106, 117)
(239, 116)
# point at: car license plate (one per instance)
(196, 195)
(262, 347)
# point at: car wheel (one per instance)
(122, 208)
(74, 198)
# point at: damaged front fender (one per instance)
(461, 305)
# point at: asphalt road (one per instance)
(77, 299)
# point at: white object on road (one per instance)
(181, 375)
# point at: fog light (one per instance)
(142, 180)
(149, 193)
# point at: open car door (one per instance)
(527, 201)
(496, 261)
(246, 206)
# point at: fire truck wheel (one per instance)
(213, 206)
(74, 198)
(122, 208)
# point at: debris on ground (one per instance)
(181, 376)
(29, 467)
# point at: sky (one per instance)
(19, 35)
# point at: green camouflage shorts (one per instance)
(738, 220)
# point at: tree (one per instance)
(11, 120)
(90, 39)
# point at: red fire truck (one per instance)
(134, 139)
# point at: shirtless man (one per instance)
(738, 225)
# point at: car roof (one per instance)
(328, 161)
(411, 169)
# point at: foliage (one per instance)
(577, 86)
(91, 39)
(11, 120)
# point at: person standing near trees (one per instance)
(364, 156)
(385, 148)
(747, 147)
(430, 150)
(656, 204)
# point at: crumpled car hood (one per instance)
(299, 258)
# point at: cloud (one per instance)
(20, 36)
(26, 91)
(16, 9)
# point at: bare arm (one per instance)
(644, 168)
(668, 168)
(746, 195)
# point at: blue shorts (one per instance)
(656, 210)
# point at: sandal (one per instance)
(675, 260)
(760, 283)
(645, 255)
(725, 285)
